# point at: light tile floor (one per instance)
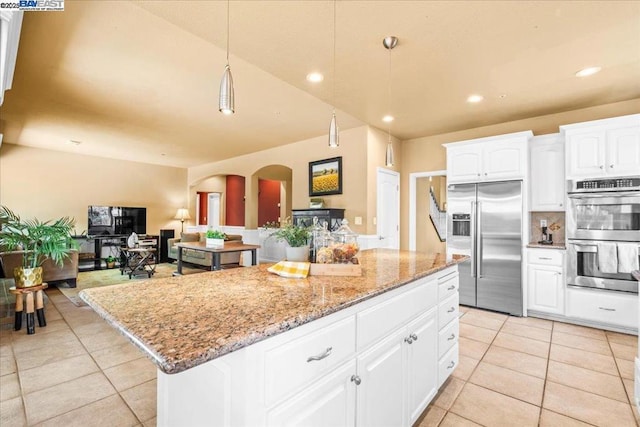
(78, 371)
(517, 371)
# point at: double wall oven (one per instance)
(601, 213)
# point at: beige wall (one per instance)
(427, 154)
(353, 149)
(49, 184)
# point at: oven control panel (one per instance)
(612, 184)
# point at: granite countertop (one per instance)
(554, 246)
(181, 322)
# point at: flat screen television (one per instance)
(116, 220)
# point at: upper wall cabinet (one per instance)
(546, 167)
(609, 147)
(493, 158)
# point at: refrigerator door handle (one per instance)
(479, 238)
(473, 239)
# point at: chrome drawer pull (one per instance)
(452, 287)
(414, 336)
(408, 340)
(326, 353)
(451, 310)
(607, 309)
(451, 365)
(544, 258)
(356, 379)
(453, 336)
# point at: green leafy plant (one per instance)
(110, 259)
(215, 234)
(40, 240)
(271, 224)
(294, 235)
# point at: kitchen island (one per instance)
(245, 347)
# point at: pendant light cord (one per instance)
(334, 56)
(389, 96)
(228, 7)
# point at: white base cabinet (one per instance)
(377, 363)
(545, 280)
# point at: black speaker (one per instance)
(165, 235)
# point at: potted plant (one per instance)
(297, 237)
(215, 239)
(39, 241)
(110, 261)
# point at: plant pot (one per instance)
(111, 264)
(27, 277)
(301, 253)
(214, 243)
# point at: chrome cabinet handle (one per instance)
(611, 166)
(478, 174)
(356, 379)
(451, 365)
(544, 258)
(451, 310)
(607, 309)
(601, 167)
(326, 353)
(408, 340)
(452, 287)
(453, 336)
(414, 336)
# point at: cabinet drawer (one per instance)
(447, 365)
(381, 319)
(614, 308)
(448, 310)
(448, 287)
(448, 337)
(546, 256)
(288, 366)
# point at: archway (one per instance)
(272, 193)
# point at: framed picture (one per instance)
(325, 177)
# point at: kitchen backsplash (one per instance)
(555, 226)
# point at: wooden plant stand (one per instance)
(32, 301)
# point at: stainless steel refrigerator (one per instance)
(484, 221)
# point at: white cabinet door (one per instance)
(422, 363)
(504, 160)
(546, 289)
(586, 154)
(381, 393)
(464, 164)
(547, 174)
(331, 402)
(623, 151)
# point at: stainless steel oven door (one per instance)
(582, 269)
(604, 216)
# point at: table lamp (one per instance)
(182, 214)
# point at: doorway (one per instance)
(388, 209)
(427, 210)
(214, 210)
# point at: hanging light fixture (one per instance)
(334, 137)
(226, 104)
(389, 43)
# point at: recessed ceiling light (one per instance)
(387, 118)
(588, 71)
(475, 98)
(315, 77)
(503, 96)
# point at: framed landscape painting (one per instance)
(325, 177)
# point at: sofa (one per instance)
(201, 258)
(51, 272)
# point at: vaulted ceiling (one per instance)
(139, 80)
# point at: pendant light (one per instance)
(389, 43)
(226, 104)
(334, 137)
